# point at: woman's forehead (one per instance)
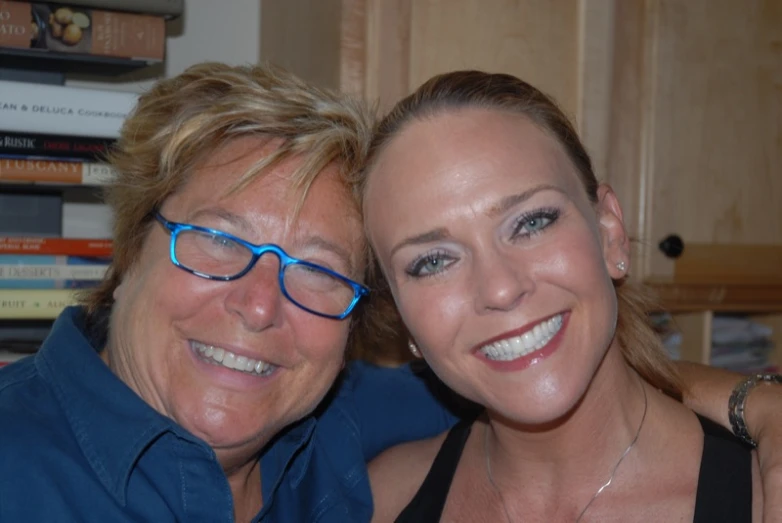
(273, 201)
(470, 141)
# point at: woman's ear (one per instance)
(616, 244)
(118, 291)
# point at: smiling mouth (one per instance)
(534, 339)
(225, 358)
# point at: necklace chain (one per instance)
(599, 491)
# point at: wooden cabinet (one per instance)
(384, 49)
(695, 150)
(696, 136)
(679, 102)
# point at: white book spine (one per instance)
(97, 174)
(71, 111)
(52, 272)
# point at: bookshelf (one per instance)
(726, 283)
(52, 189)
(190, 38)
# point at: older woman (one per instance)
(196, 384)
(183, 390)
(508, 263)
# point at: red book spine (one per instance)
(55, 246)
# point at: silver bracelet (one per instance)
(738, 402)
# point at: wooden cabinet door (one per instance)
(384, 49)
(562, 47)
(679, 102)
(696, 133)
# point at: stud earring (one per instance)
(622, 266)
(413, 348)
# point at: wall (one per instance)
(225, 31)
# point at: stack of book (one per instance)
(738, 343)
(55, 233)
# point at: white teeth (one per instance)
(230, 360)
(240, 363)
(534, 339)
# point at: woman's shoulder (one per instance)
(397, 473)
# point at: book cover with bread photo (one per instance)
(66, 29)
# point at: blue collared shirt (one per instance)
(76, 444)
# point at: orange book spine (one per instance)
(55, 246)
(52, 171)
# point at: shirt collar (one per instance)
(111, 423)
(287, 455)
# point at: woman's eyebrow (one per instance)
(514, 199)
(225, 215)
(506, 203)
(426, 237)
(328, 245)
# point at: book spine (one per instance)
(50, 272)
(24, 274)
(54, 147)
(70, 111)
(34, 304)
(167, 8)
(55, 246)
(81, 31)
(50, 171)
(7, 357)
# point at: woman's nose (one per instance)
(257, 297)
(501, 281)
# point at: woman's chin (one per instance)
(540, 410)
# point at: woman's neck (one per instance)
(245, 484)
(586, 441)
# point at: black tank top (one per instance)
(724, 482)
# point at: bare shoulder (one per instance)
(397, 474)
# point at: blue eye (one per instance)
(223, 242)
(429, 265)
(534, 222)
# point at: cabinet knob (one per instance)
(672, 246)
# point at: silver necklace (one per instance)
(599, 491)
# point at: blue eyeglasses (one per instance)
(217, 255)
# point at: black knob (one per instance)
(672, 246)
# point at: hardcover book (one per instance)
(8, 356)
(34, 304)
(31, 214)
(167, 8)
(56, 246)
(86, 220)
(50, 171)
(54, 147)
(50, 272)
(69, 111)
(78, 30)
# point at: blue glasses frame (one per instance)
(174, 228)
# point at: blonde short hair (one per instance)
(181, 120)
